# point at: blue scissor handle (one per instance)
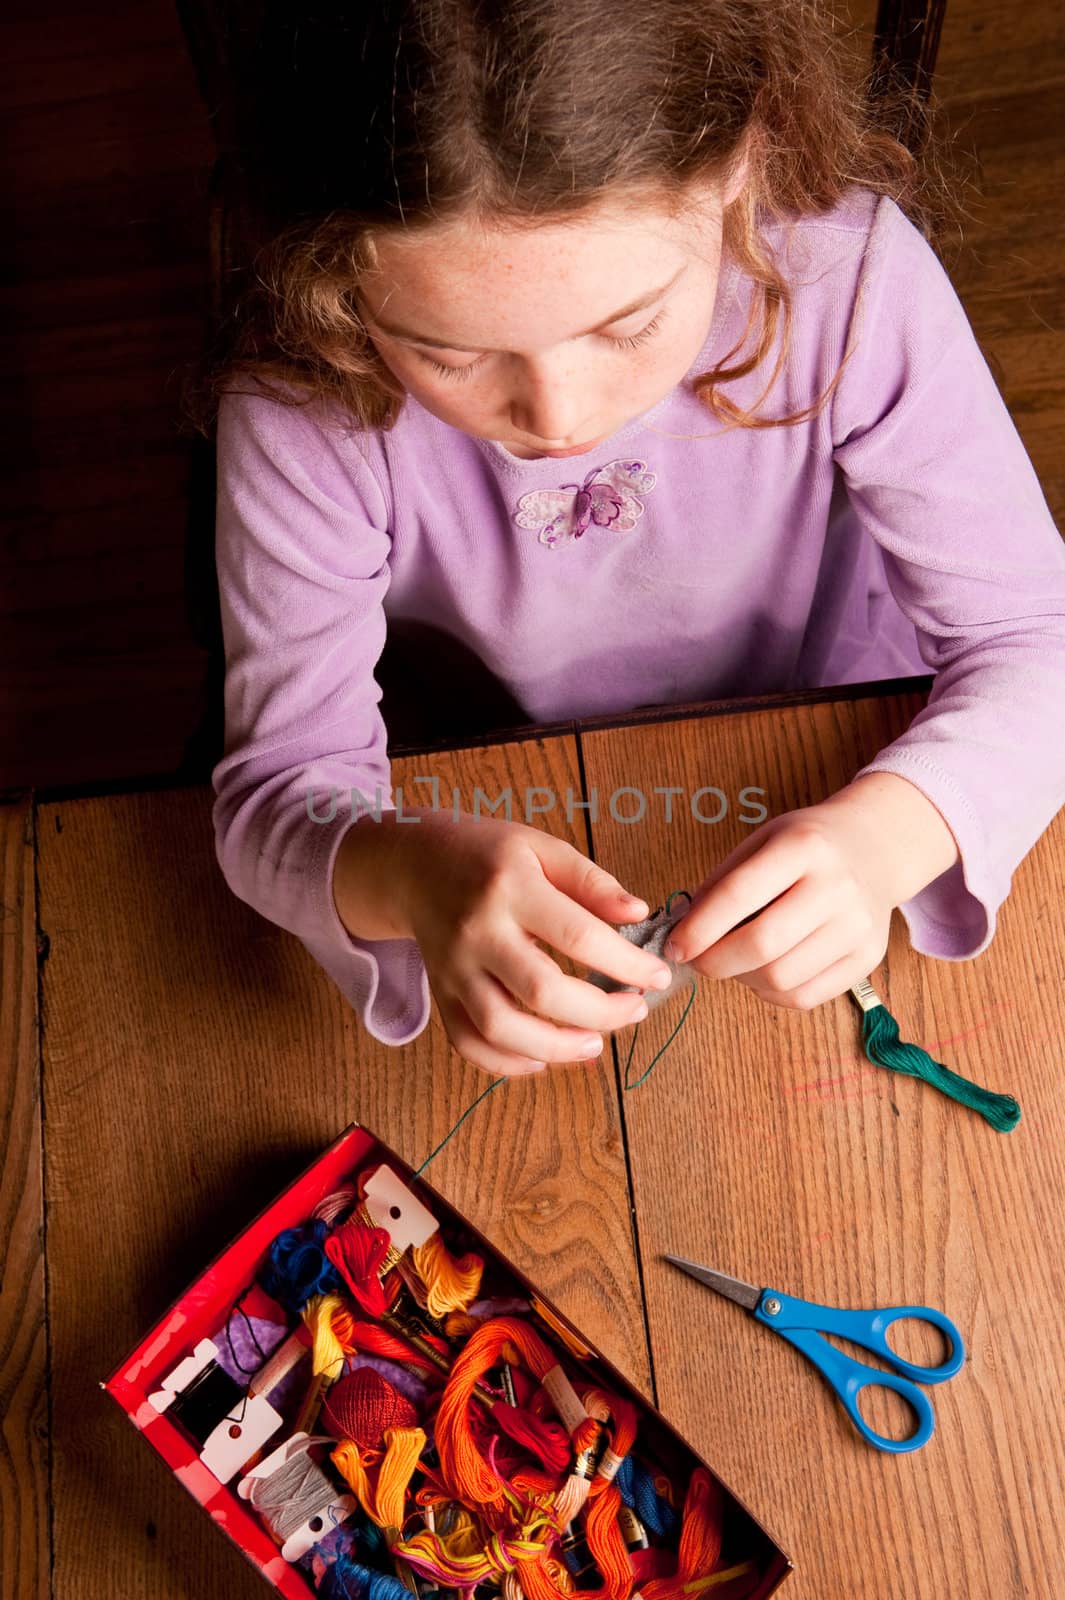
(802, 1322)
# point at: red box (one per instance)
(206, 1304)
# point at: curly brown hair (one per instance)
(521, 112)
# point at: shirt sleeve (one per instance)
(302, 554)
(938, 475)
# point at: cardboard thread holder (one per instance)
(207, 1303)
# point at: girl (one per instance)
(609, 341)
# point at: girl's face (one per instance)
(547, 340)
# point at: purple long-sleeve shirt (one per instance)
(903, 530)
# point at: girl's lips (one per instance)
(577, 450)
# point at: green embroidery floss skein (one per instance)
(880, 1039)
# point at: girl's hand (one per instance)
(801, 910)
(477, 893)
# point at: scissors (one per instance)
(798, 1321)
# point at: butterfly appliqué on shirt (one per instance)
(608, 497)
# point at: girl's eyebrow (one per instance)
(398, 332)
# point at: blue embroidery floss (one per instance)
(348, 1580)
(298, 1267)
(344, 1578)
(636, 1486)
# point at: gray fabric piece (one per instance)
(651, 934)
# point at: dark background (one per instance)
(106, 160)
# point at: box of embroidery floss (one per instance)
(373, 1404)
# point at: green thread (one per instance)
(627, 1085)
(458, 1125)
(882, 1045)
(625, 1069)
(880, 1038)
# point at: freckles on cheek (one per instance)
(429, 390)
(461, 410)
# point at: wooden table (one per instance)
(188, 1058)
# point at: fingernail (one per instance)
(672, 952)
(634, 900)
(661, 980)
(588, 1047)
(638, 1012)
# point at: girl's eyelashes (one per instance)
(630, 343)
(450, 372)
(645, 333)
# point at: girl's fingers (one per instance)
(766, 873)
(586, 882)
(780, 929)
(833, 981)
(473, 1047)
(757, 840)
(551, 915)
(531, 976)
(803, 964)
(492, 1010)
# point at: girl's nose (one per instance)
(548, 403)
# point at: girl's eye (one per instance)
(459, 373)
(645, 333)
(452, 372)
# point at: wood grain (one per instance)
(24, 1522)
(766, 1145)
(195, 1059)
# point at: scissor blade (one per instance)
(744, 1294)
